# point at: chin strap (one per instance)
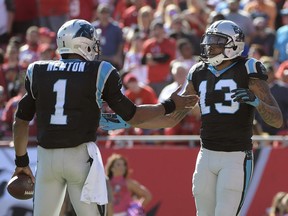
(216, 60)
(98, 51)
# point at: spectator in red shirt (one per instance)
(139, 93)
(158, 52)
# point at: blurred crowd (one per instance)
(153, 44)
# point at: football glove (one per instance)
(112, 121)
(243, 95)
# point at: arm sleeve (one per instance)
(26, 106)
(118, 102)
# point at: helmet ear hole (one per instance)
(89, 49)
(234, 48)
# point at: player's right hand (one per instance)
(26, 170)
(184, 101)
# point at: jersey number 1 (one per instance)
(58, 118)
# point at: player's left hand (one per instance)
(243, 95)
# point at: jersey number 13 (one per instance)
(219, 107)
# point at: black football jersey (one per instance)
(226, 125)
(67, 96)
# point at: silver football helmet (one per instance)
(79, 37)
(226, 34)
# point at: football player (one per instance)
(231, 88)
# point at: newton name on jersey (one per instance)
(66, 66)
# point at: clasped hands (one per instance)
(184, 101)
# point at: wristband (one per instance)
(169, 106)
(22, 161)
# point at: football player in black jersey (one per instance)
(66, 96)
(231, 88)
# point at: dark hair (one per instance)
(216, 17)
(65, 56)
(110, 163)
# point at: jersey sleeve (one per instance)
(26, 106)
(256, 69)
(191, 71)
(118, 102)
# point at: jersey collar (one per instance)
(218, 73)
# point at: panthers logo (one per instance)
(239, 35)
(85, 30)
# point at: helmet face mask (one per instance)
(214, 39)
(78, 37)
(223, 34)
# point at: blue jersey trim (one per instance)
(104, 72)
(251, 66)
(218, 73)
(248, 171)
(29, 75)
